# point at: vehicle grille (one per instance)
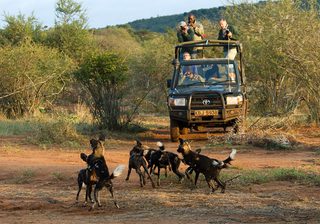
(206, 101)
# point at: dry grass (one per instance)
(270, 133)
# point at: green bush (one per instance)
(14, 127)
(59, 131)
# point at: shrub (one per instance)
(59, 131)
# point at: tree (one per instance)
(281, 54)
(152, 68)
(102, 75)
(31, 75)
(70, 12)
(70, 34)
(19, 29)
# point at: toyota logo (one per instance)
(205, 102)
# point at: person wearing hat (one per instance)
(227, 32)
(184, 34)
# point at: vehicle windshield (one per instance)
(206, 74)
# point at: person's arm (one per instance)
(220, 35)
(200, 78)
(189, 35)
(179, 36)
(198, 29)
(234, 32)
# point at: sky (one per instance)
(102, 13)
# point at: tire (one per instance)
(174, 130)
(184, 131)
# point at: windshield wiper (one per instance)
(219, 82)
(193, 84)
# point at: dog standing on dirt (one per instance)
(163, 159)
(98, 173)
(84, 180)
(210, 168)
(136, 161)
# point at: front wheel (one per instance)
(174, 130)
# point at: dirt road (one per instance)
(39, 186)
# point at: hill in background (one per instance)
(162, 23)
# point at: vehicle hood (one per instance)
(217, 88)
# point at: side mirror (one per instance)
(168, 83)
(175, 62)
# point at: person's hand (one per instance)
(192, 25)
(184, 30)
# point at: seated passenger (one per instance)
(232, 76)
(213, 73)
(190, 72)
(190, 77)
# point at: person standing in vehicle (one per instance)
(227, 32)
(198, 33)
(196, 26)
(184, 34)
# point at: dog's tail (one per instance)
(230, 157)
(117, 171)
(83, 156)
(224, 163)
(160, 145)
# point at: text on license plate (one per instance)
(199, 113)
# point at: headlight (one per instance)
(177, 102)
(234, 100)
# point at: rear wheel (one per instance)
(184, 130)
(174, 130)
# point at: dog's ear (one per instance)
(139, 144)
(102, 137)
(93, 144)
(83, 156)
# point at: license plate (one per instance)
(200, 113)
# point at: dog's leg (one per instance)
(95, 199)
(196, 178)
(210, 184)
(97, 188)
(166, 172)
(158, 180)
(151, 172)
(188, 173)
(89, 186)
(112, 196)
(220, 184)
(140, 176)
(80, 182)
(145, 168)
(176, 171)
(129, 172)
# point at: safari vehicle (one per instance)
(215, 97)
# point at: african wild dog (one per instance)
(98, 172)
(210, 168)
(136, 161)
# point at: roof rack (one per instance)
(208, 43)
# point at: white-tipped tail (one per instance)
(145, 152)
(233, 154)
(159, 144)
(118, 170)
(215, 163)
